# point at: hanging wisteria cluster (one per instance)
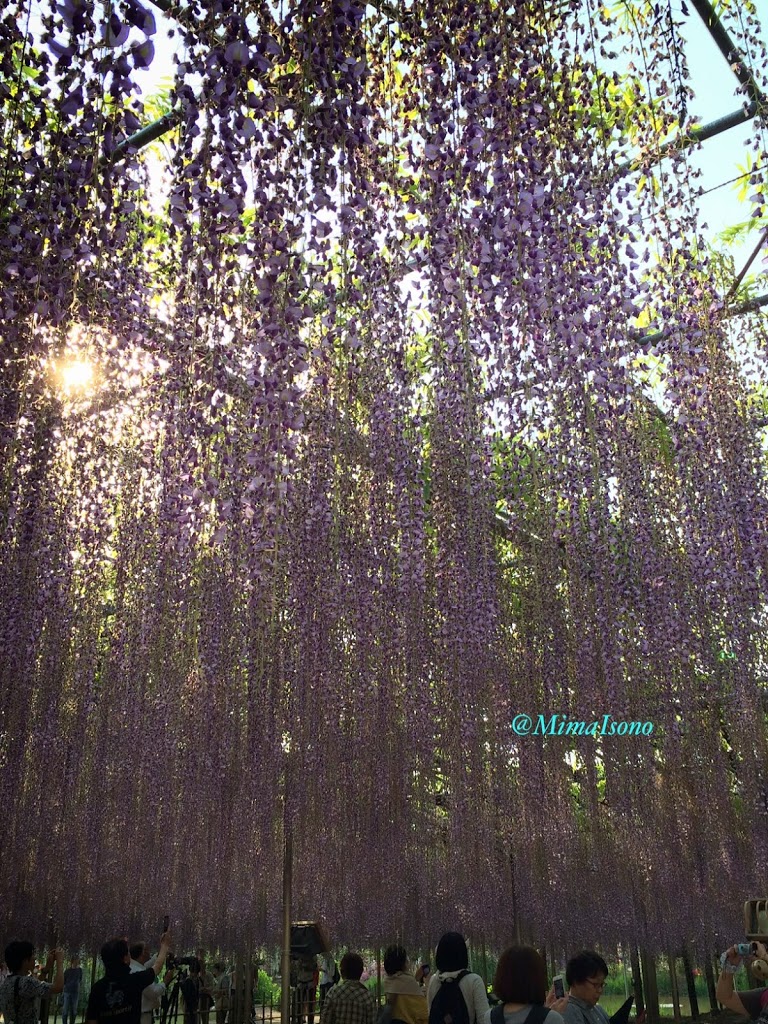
(337, 445)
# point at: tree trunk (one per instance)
(709, 974)
(672, 961)
(690, 981)
(651, 988)
(637, 980)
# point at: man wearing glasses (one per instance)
(585, 973)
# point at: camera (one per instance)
(174, 962)
(746, 948)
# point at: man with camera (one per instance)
(116, 998)
(752, 1002)
(20, 993)
(193, 990)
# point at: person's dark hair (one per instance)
(113, 953)
(351, 967)
(451, 953)
(137, 949)
(16, 953)
(521, 976)
(585, 965)
(395, 959)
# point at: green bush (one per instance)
(267, 992)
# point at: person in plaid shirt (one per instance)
(349, 1002)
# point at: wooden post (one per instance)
(285, 964)
(651, 988)
(378, 976)
(690, 982)
(637, 980)
(485, 965)
(93, 977)
(709, 974)
(515, 916)
(250, 984)
(672, 961)
(552, 963)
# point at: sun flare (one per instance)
(74, 376)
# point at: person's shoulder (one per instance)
(572, 1012)
(553, 1017)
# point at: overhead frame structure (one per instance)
(684, 140)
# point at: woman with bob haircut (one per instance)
(452, 963)
(405, 997)
(520, 983)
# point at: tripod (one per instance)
(170, 1004)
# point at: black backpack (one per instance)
(449, 1005)
(536, 1015)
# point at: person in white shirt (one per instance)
(152, 995)
(327, 976)
(222, 990)
(452, 963)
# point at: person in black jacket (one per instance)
(116, 998)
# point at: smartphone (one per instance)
(746, 948)
(166, 924)
(425, 969)
(559, 986)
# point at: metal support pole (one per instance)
(689, 138)
(725, 44)
(143, 137)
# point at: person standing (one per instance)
(520, 984)
(70, 996)
(20, 993)
(585, 973)
(116, 998)
(152, 996)
(752, 1002)
(452, 963)
(349, 1002)
(222, 990)
(405, 997)
(327, 976)
(191, 991)
(206, 995)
